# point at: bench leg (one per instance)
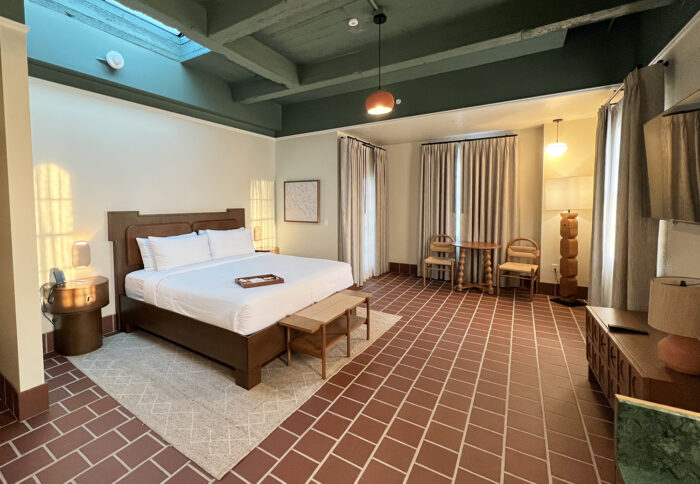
(289, 351)
(323, 351)
(368, 313)
(248, 378)
(347, 331)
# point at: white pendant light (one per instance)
(380, 101)
(559, 148)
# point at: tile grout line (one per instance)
(474, 392)
(269, 471)
(578, 403)
(510, 365)
(437, 402)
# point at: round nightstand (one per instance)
(76, 307)
(273, 250)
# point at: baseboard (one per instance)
(401, 268)
(109, 327)
(26, 404)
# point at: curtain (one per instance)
(636, 236)
(381, 205)
(489, 198)
(437, 207)
(363, 234)
(262, 207)
(681, 143)
(607, 166)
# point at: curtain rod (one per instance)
(468, 139)
(621, 87)
(365, 143)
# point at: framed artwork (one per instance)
(302, 201)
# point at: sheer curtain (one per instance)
(608, 136)
(363, 238)
(489, 198)
(437, 207)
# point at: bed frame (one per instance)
(245, 354)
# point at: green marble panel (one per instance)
(657, 445)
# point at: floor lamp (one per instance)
(569, 193)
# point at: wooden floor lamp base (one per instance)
(569, 302)
(568, 264)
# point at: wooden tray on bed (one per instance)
(255, 281)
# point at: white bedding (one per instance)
(207, 291)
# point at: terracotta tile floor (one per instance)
(466, 388)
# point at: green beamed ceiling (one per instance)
(281, 67)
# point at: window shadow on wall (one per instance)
(53, 199)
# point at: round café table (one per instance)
(486, 248)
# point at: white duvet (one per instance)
(207, 291)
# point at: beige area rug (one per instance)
(195, 404)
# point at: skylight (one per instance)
(145, 17)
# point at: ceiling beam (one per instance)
(190, 18)
(229, 21)
(441, 55)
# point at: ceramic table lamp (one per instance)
(574, 192)
(674, 308)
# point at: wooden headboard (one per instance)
(124, 227)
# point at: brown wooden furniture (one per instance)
(568, 263)
(627, 364)
(325, 323)
(250, 282)
(272, 250)
(529, 251)
(246, 354)
(440, 263)
(485, 248)
(77, 316)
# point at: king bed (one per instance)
(199, 306)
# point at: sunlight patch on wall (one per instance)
(53, 200)
(262, 209)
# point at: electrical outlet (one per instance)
(555, 267)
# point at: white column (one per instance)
(21, 361)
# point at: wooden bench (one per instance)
(325, 323)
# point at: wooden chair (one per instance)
(519, 270)
(440, 263)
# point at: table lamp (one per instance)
(574, 192)
(674, 308)
(81, 254)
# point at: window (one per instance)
(262, 209)
(145, 17)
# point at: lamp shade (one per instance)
(379, 102)
(573, 192)
(674, 306)
(81, 254)
(257, 233)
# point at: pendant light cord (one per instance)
(380, 56)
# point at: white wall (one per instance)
(93, 154)
(309, 157)
(679, 244)
(404, 193)
(579, 160)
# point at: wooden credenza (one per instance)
(627, 364)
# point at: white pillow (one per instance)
(170, 253)
(149, 263)
(225, 243)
